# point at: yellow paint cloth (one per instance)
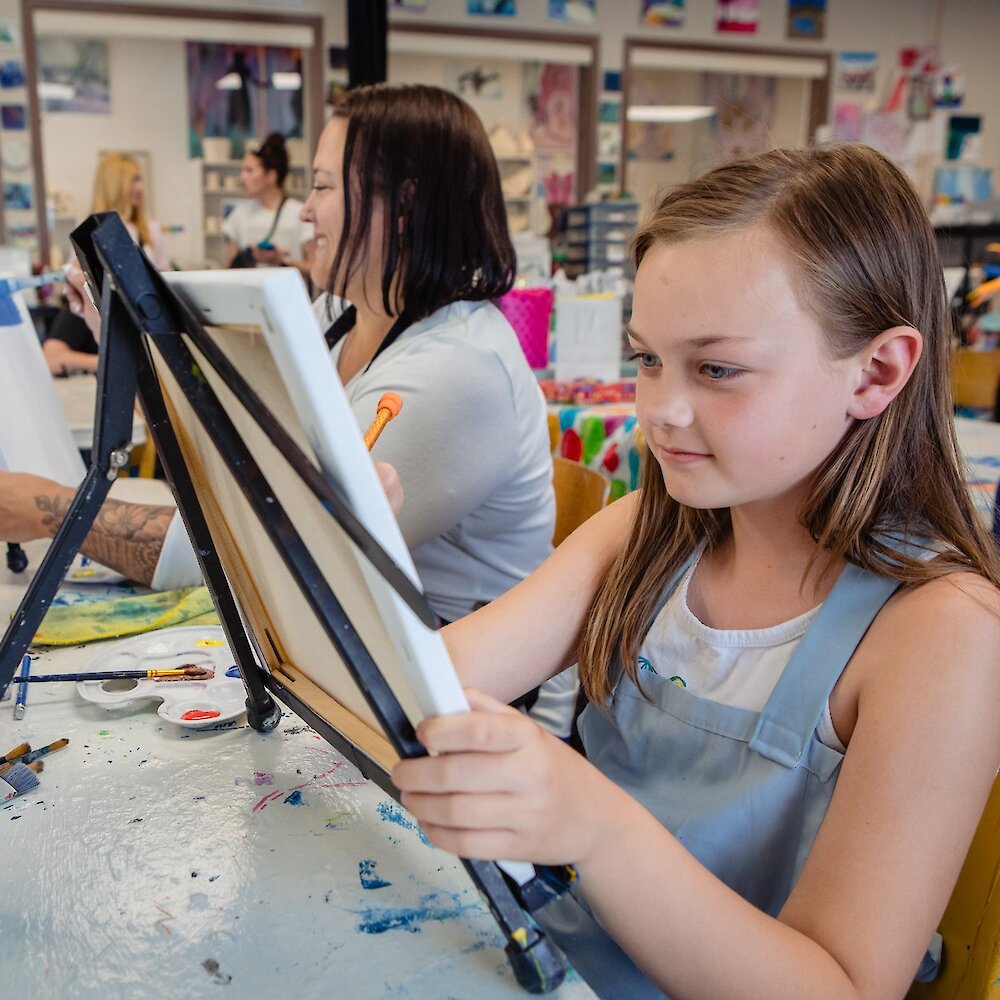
(123, 616)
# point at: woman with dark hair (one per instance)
(412, 244)
(265, 230)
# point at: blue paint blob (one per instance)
(369, 877)
(410, 918)
(392, 813)
(295, 799)
(233, 671)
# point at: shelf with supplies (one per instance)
(518, 182)
(221, 191)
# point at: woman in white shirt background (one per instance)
(268, 216)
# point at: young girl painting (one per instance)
(789, 635)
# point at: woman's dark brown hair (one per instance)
(863, 260)
(422, 154)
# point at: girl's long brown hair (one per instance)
(865, 260)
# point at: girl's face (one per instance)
(324, 208)
(736, 395)
(254, 179)
(135, 191)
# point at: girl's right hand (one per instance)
(499, 786)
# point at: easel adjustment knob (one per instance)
(118, 459)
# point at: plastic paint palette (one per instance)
(193, 704)
(84, 570)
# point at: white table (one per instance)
(154, 861)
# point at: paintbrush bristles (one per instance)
(18, 779)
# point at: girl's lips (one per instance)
(677, 456)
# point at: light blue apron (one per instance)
(745, 792)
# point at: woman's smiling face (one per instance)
(324, 208)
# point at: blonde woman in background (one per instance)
(119, 187)
(69, 345)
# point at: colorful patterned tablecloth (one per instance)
(605, 437)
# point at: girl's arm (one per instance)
(923, 753)
(531, 632)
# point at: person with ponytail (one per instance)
(265, 230)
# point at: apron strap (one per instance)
(789, 719)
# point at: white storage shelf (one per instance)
(518, 179)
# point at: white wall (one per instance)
(151, 118)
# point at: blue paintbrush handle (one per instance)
(9, 285)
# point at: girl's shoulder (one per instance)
(946, 630)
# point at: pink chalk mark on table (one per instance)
(284, 793)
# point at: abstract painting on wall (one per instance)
(241, 92)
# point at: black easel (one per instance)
(140, 314)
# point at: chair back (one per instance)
(580, 493)
(970, 968)
(974, 377)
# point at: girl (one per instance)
(789, 635)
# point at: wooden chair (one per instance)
(970, 968)
(975, 376)
(580, 492)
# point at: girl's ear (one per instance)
(886, 366)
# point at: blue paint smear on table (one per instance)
(369, 877)
(411, 918)
(391, 813)
(295, 799)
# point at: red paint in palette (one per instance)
(199, 715)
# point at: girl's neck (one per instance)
(761, 575)
(271, 198)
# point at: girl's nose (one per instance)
(666, 406)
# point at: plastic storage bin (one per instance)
(529, 311)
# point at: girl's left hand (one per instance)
(502, 787)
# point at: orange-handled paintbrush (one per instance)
(388, 407)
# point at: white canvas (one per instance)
(264, 323)
(34, 434)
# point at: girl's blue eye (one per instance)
(719, 373)
(644, 360)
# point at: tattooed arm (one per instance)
(127, 537)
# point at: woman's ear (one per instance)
(886, 366)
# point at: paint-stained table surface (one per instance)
(154, 861)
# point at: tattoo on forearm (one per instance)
(126, 537)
